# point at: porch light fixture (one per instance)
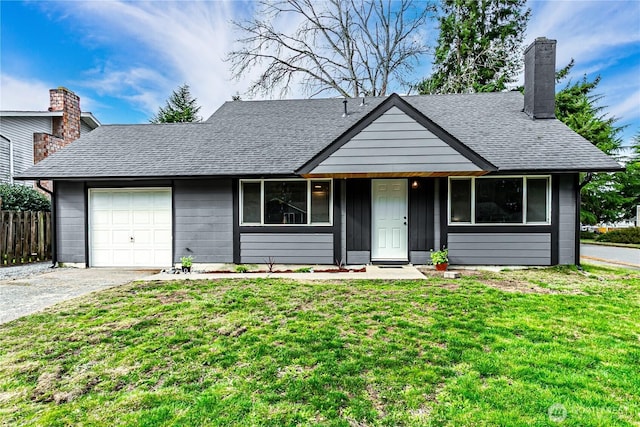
(415, 184)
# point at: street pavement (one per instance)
(629, 257)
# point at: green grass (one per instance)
(486, 349)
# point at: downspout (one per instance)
(10, 161)
(54, 239)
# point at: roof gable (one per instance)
(395, 138)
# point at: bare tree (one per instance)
(350, 47)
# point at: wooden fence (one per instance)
(24, 237)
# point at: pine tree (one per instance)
(181, 107)
(479, 46)
(603, 196)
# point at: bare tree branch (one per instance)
(345, 47)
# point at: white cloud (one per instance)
(585, 30)
(23, 95)
(181, 42)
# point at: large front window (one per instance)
(285, 202)
(499, 200)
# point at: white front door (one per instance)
(389, 220)
(130, 227)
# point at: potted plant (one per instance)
(187, 262)
(440, 259)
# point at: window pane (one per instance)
(460, 200)
(537, 200)
(251, 202)
(320, 198)
(285, 202)
(499, 200)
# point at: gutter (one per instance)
(54, 239)
(11, 171)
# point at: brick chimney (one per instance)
(64, 129)
(540, 79)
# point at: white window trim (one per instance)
(309, 189)
(500, 224)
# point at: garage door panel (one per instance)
(162, 237)
(162, 217)
(142, 217)
(120, 217)
(117, 215)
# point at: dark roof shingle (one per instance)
(278, 137)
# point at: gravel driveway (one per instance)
(31, 288)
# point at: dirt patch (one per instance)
(510, 285)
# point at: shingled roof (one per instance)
(260, 138)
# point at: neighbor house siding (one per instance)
(84, 128)
(287, 248)
(20, 131)
(500, 248)
(70, 217)
(5, 169)
(567, 220)
(395, 142)
(203, 220)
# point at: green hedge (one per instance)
(622, 235)
(588, 235)
(23, 198)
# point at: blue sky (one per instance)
(125, 58)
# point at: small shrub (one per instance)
(303, 270)
(440, 257)
(241, 268)
(187, 261)
(18, 197)
(590, 235)
(622, 235)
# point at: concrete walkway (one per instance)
(20, 296)
(401, 272)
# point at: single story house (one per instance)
(494, 177)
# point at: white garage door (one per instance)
(130, 227)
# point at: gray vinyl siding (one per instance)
(70, 222)
(358, 257)
(203, 220)
(286, 248)
(567, 220)
(395, 143)
(4, 160)
(500, 248)
(84, 128)
(419, 257)
(20, 131)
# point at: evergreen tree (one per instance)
(603, 197)
(479, 46)
(181, 107)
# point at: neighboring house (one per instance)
(29, 136)
(317, 181)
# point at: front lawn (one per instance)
(537, 347)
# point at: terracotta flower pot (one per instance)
(441, 267)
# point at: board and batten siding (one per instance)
(395, 142)
(70, 222)
(499, 248)
(20, 131)
(567, 220)
(286, 248)
(203, 220)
